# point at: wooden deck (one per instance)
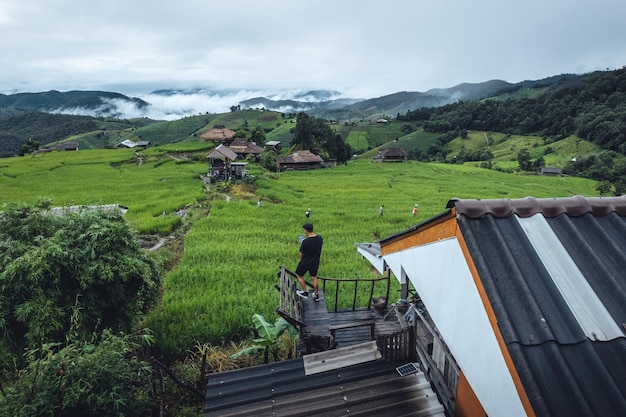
(347, 327)
(321, 329)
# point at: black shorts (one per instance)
(303, 269)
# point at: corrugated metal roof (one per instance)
(373, 387)
(554, 271)
(243, 146)
(221, 151)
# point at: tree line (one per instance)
(312, 134)
(594, 108)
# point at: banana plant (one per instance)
(269, 339)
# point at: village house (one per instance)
(125, 144)
(300, 160)
(392, 154)
(129, 144)
(219, 134)
(222, 165)
(274, 145)
(243, 147)
(66, 146)
(550, 171)
(144, 144)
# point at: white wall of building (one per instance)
(440, 274)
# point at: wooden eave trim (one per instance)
(530, 412)
(441, 227)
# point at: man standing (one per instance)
(310, 252)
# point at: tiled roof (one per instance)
(554, 271)
(548, 207)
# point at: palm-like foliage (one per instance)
(272, 339)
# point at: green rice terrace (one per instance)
(224, 252)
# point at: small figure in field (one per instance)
(308, 213)
(382, 208)
(310, 253)
(416, 209)
(259, 203)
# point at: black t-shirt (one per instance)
(311, 249)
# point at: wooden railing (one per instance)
(354, 282)
(289, 308)
(398, 347)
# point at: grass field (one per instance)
(152, 191)
(228, 270)
(233, 249)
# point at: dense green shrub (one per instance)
(67, 274)
(104, 377)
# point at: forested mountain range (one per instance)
(592, 106)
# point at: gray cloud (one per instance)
(364, 49)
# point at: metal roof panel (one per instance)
(548, 265)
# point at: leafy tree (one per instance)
(258, 136)
(538, 163)
(315, 135)
(304, 133)
(604, 188)
(267, 159)
(407, 128)
(29, 147)
(241, 133)
(524, 160)
(67, 274)
(620, 186)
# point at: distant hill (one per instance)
(295, 106)
(106, 104)
(327, 104)
(23, 115)
(392, 104)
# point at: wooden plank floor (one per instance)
(318, 320)
(315, 315)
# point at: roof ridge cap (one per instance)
(550, 207)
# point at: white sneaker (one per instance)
(303, 294)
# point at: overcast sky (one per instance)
(361, 48)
